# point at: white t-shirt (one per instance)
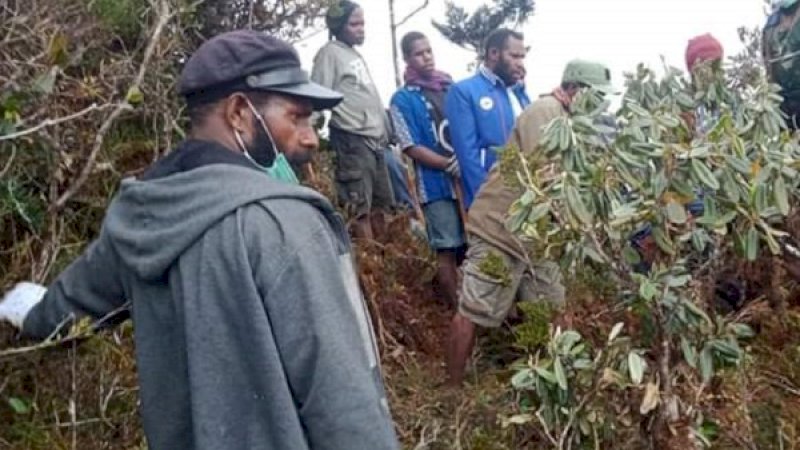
(516, 106)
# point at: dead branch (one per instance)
(9, 162)
(413, 13)
(424, 440)
(51, 122)
(546, 430)
(54, 341)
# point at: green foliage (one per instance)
(565, 386)
(10, 106)
(678, 144)
(123, 17)
(746, 170)
(470, 30)
(534, 331)
(18, 202)
(508, 163)
(494, 266)
(19, 406)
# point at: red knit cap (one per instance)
(702, 48)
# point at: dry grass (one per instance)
(760, 408)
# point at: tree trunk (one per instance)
(393, 31)
(394, 24)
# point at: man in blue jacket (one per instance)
(417, 111)
(482, 109)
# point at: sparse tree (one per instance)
(288, 19)
(585, 200)
(748, 65)
(469, 30)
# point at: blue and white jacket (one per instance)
(481, 118)
(415, 124)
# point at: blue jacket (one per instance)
(410, 106)
(481, 119)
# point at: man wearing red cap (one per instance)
(701, 49)
(704, 49)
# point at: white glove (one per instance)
(19, 301)
(452, 167)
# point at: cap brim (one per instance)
(320, 96)
(606, 89)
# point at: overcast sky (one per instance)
(620, 33)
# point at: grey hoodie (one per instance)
(250, 329)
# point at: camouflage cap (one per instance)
(593, 74)
(339, 13)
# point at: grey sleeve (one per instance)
(325, 341)
(324, 69)
(323, 72)
(90, 286)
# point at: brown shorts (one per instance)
(362, 178)
(494, 280)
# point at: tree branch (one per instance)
(413, 13)
(8, 163)
(54, 341)
(51, 122)
(314, 33)
(164, 17)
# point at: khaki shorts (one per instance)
(362, 178)
(494, 280)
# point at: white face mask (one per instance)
(280, 169)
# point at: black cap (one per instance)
(247, 60)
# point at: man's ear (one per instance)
(237, 114)
(493, 54)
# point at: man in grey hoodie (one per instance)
(250, 328)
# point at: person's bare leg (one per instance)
(448, 275)
(378, 225)
(459, 348)
(362, 228)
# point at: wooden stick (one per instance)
(412, 189)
